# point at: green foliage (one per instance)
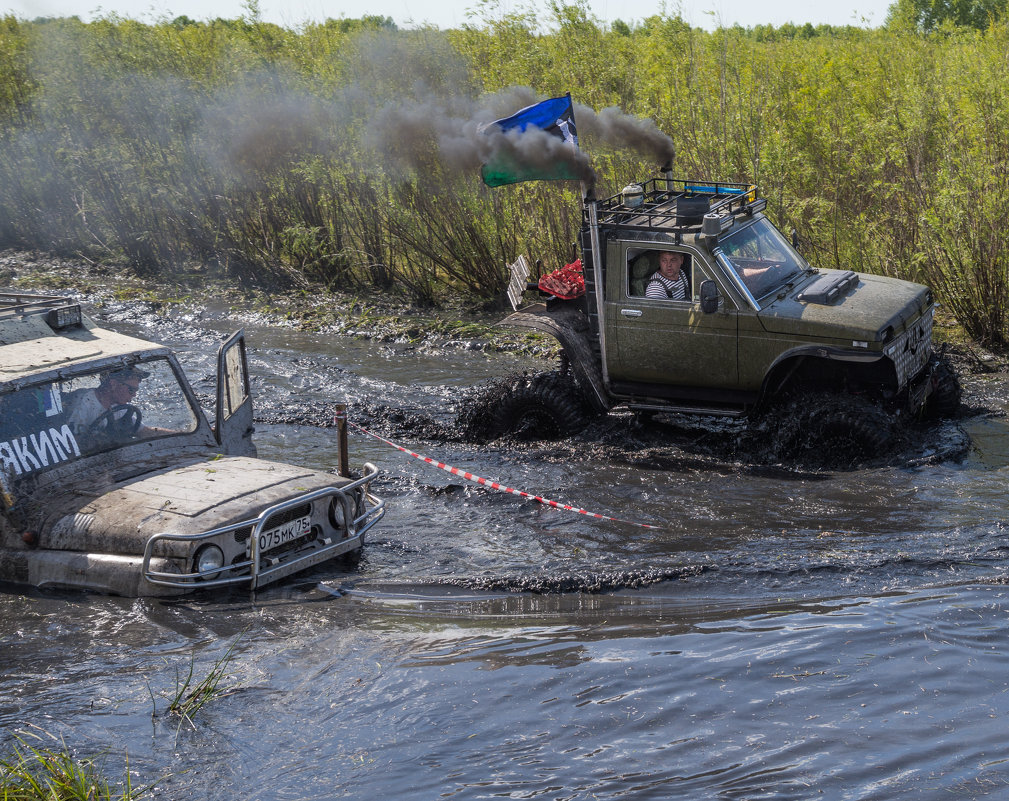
(49, 774)
(17, 87)
(190, 696)
(930, 15)
(266, 152)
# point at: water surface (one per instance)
(782, 633)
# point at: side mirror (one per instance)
(709, 297)
(795, 239)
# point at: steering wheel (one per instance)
(116, 426)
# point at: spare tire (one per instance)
(537, 406)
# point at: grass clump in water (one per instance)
(48, 774)
(191, 696)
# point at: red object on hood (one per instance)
(567, 283)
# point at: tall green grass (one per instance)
(257, 151)
(39, 773)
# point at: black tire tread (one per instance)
(945, 399)
(836, 430)
(540, 406)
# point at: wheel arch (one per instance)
(571, 330)
(820, 367)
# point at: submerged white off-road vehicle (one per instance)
(112, 478)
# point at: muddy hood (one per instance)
(873, 305)
(184, 500)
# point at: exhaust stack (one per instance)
(667, 172)
(589, 204)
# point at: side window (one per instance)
(645, 265)
(702, 273)
(30, 410)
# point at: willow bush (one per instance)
(257, 149)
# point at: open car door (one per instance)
(234, 398)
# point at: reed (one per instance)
(190, 695)
(254, 150)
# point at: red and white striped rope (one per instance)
(496, 485)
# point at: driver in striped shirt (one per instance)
(669, 282)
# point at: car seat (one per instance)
(642, 269)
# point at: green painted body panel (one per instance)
(875, 304)
(673, 344)
(758, 351)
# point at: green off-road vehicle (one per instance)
(834, 357)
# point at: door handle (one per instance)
(631, 312)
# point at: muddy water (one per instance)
(782, 633)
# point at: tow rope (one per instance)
(494, 485)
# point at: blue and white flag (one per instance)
(509, 165)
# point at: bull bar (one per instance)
(259, 575)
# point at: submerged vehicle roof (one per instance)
(39, 333)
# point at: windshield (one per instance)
(761, 257)
(44, 425)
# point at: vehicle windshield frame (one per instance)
(759, 275)
(38, 434)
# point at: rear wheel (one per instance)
(539, 406)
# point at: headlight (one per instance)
(209, 558)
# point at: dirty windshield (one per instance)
(761, 257)
(46, 424)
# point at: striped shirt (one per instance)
(661, 287)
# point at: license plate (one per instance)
(281, 535)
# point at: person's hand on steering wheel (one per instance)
(118, 423)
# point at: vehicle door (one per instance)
(671, 342)
(234, 426)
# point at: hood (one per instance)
(185, 500)
(860, 313)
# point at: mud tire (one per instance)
(539, 406)
(945, 399)
(835, 430)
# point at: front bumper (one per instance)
(258, 569)
(921, 388)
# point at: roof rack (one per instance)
(676, 204)
(60, 312)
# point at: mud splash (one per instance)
(663, 442)
(666, 440)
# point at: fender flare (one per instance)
(825, 352)
(570, 327)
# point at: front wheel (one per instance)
(946, 392)
(835, 430)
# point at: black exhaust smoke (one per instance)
(458, 134)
